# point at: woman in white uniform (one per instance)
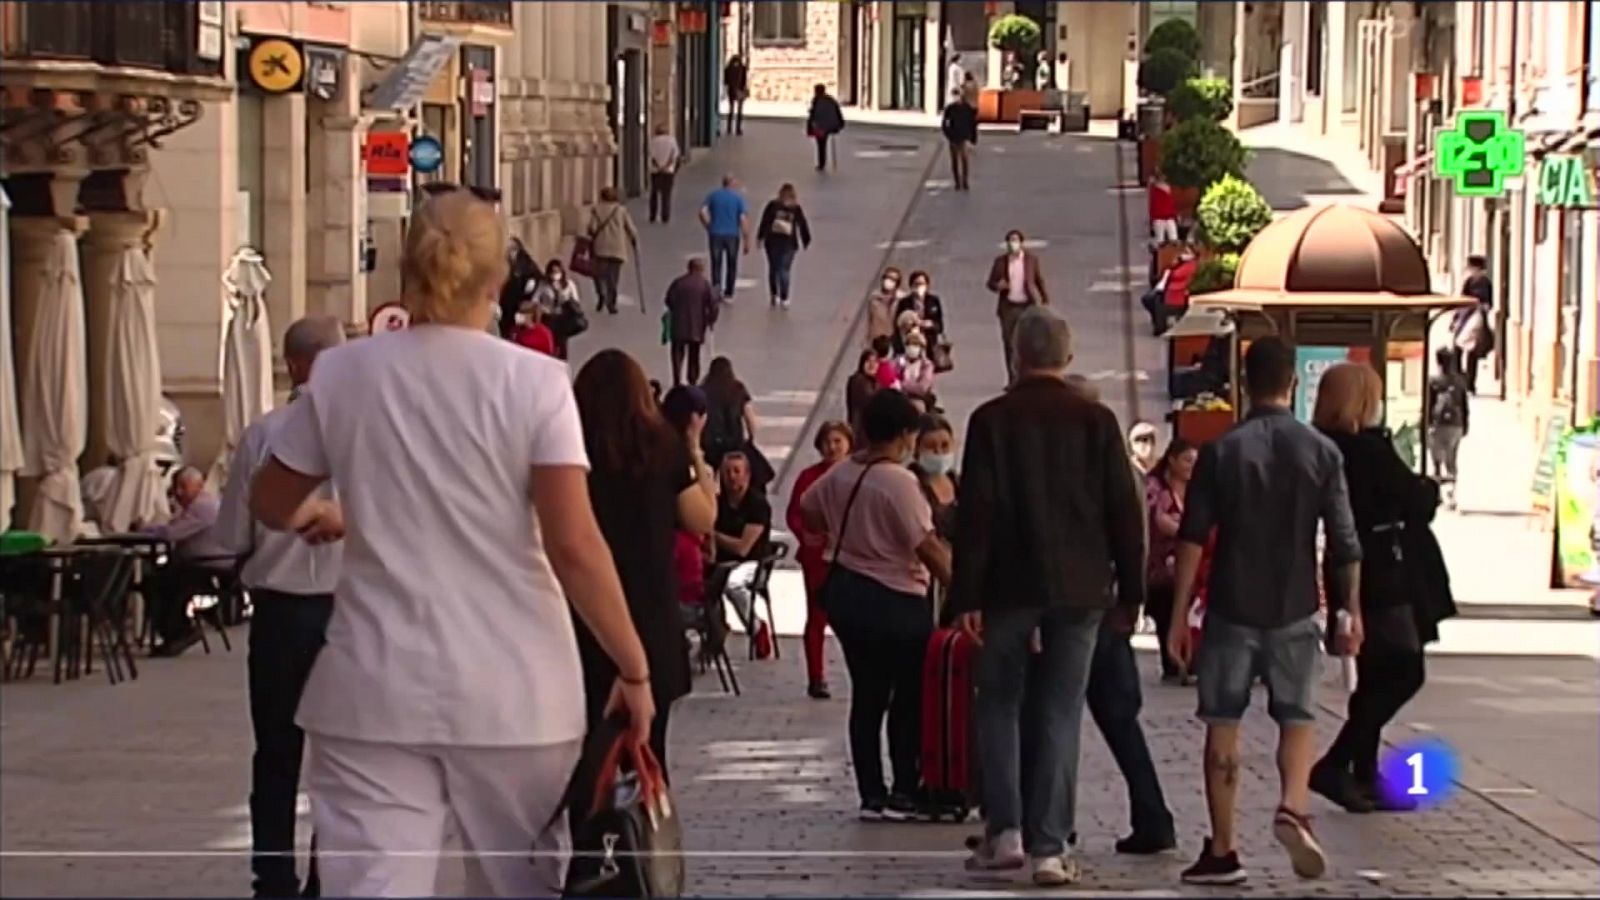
(450, 685)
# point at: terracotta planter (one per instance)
(1012, 103)
(989, 105)
(1149, 157)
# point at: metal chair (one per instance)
(761, 590)
(710, 625)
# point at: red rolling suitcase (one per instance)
(949, 758)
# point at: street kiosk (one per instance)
(1340, 283)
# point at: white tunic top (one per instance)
(449, 626)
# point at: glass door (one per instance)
(909, 55)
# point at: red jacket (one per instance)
(1178, 278)
(811, 544)
(536, 337)
(690, 565)
(1163, 205)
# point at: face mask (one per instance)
(937, 463)
(889, 284)
(913, 352)
(920, 290)
(523, 318)
(557, 278)
(1014, 246)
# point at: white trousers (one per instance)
(381, 811)
(1165, 231)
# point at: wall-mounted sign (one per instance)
(407, 80)
(275, 65)
(1479, 153)
(388, 153)
(481, 84)
(324, 72)
(1567, 181)
(427, 154)
(661, 33)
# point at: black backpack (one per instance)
(724, 430)
(1449, 401)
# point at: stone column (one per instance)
(335, 284)
(31, 240)
(283, 216)
(109, 234)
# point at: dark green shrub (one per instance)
(1209, 98)
(1231, 212)
(1214, 274)
(1162, 71)
(1175, 34)
(1197, 153)
(1018, 34)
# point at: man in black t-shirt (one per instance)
(744, 525)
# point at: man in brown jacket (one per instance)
(1018, 285)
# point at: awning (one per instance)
(1257, 300)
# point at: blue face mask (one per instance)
(937, 463)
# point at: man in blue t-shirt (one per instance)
(727, 223)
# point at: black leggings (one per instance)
(884, 634)
(1159, 605)
(1385, 682)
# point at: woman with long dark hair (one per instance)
(645, 483)
(1165, 490)
(522, 279)
(731, 421)
(783, 233)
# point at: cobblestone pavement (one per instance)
(139, 790)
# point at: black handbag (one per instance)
(630, 843)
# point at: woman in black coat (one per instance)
(1405, 590)
(522, 279)
(645, 482)
(928, 307)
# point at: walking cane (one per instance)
(638, 276)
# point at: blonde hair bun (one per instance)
(455, 258)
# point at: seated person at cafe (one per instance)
(196, 559)
(744, 522)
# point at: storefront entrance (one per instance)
(908, 59)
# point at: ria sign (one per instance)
(1567, 181)
(1479, 153)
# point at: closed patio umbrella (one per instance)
(133, 375)
(246, 355)
(55, 403)
(10, 428)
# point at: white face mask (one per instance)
(524, 318)
(913, 352)
(557, 278)
(889, 284)
(920, 290)
(1015, 246)
(937, 463)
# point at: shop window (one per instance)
(778, 23)
(1316, 47)
(1162, 10)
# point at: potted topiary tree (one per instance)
(1162, 72)
(1019, 38)
(1197, 154)
(1231, 213)
(1174, 34)
(1208, 98)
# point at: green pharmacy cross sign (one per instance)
(1479, 153)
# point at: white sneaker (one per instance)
(784, 303)
(1001, 852)
(1055, 871)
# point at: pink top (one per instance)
(1160, 500)
(889, 520)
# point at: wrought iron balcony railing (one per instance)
(159, 36)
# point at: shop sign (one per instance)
(1310, 364)
(482, 92)
(661, 33)
(324, 66)
(275, 65)
(1479, 153)
(1566, 181)
(426, 154)
(388, 153)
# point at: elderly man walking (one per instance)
(1050, 523)
(291, 583)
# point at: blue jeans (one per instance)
(724, 262)
(1231, 656)
(1041, 797)
(1114, 699)
(780, 261)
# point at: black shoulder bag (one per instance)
(838, 542)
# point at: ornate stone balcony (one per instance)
(493, 16)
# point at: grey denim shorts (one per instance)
(1231, 657)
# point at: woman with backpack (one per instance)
(731, 422)
(783, 233)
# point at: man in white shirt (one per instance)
(291, 583)
(955, 74)
(664, 161)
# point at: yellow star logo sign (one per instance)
(276, 65)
